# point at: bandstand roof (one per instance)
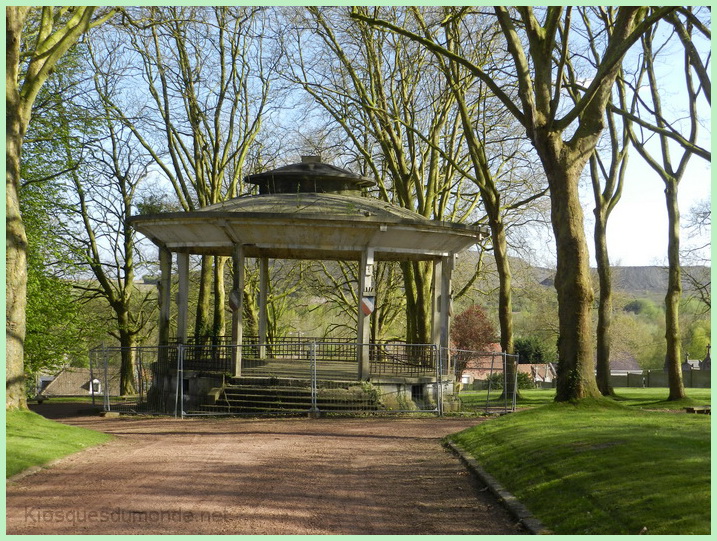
(308, 225)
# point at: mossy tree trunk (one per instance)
(58, 29)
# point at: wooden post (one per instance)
(164, 294)
(182, 297)
(263, 297)
(366, 297)
(236, 303)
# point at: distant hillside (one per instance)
(647, 281)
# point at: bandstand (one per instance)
(304, 211)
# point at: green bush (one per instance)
(525, 381)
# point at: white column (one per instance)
(182, 297)
(446, 308)
(165, 298)
(436, 316)
(364, 320)
(236, 303)
(263, 297)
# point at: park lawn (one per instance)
(647, 398)
(599, 467)
(32, 440)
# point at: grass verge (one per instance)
(32, 440)
(599, 467)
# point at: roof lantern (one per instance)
(311, 175)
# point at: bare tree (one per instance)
(564, 138)
(36, 38)
(388, 106)
(207, 86)
(607, 168)
(105, 188)
(699, 225)
(662, 123)
(488, 131)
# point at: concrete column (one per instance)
(366, 291)
(436, 316)
(447, 266)
(182, 297)
(263, 297)
(236, 303)
(164, 294)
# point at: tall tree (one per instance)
(55, 318)
(207, 83)
(104, 188)
(398, 117)
(36, 38)
(660, 121)
(607, 168)
(564, 137)
(504, 186)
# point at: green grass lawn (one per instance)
(32, 440)
(603, 466)
(648, 398)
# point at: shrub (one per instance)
(472, 330)
(525, 381)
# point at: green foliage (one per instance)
(156, 203)
(533, 350)
(53, 322)
(698, 338)
(643, 307)
(597, 467)
(525, 381)
(32, 440)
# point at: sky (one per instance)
(637, 228)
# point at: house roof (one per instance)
(72, 381)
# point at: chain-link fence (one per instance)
(290, 377)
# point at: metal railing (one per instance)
(386, 358)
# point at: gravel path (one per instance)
(266, 476)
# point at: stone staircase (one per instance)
(247, 395)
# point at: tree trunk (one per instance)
(128, 355)
(417, 283)
(674, 292)
(604, 304)
(576, 377)
(203, 325)
(219, 297)
(15, 237)
(15, 267)
(505, 304)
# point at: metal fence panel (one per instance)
(151, 381)
(484, 380)
(290, 377)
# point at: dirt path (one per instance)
(269, 476)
